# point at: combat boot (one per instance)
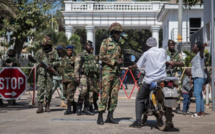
(74, 105)
(110, 118)
(68, 110)
(40, 108)
(86, 110)
(2, 103)
(63, 104)
(100, 120)
(79, 107)
(47, 107)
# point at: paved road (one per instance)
(23, 120)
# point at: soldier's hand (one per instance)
(119, 61)
(170, 64)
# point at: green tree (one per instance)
(75, 40)
(7, 9)
(30, 17)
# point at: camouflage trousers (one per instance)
(57, 83)
(69, 90)
(45, 88)
(90, 94)
(83, 89)
(110, 89)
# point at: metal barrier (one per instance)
(135, 82)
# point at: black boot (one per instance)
(47, 109)
(74, 105)
(110, 118)
(91, 109)
(40, 108)
(68, 110)
(178, 111)
(100, 120)
(79, 107)
(87, 111)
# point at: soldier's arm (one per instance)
(103, 57)
(77, 66)
(56, 62)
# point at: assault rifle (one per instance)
(44, 64)
(100, 79)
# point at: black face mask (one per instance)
(47, 48)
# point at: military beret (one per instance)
(69, 47)
(59, 47)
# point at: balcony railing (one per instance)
(113, 6)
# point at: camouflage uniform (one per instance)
(110, 51)
(175, 56)
(44, 79)
(69, 85)
(84, 71)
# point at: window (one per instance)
(195, 25)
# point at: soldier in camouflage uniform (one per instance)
(177, 62)
(57, 80)
(10, 62)
(84, 69)
(111, 57)
(69, 85)
(44, 76)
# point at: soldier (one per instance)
(177, 62)
(49, 56)
(84, 69)
(111, 57)
(69, 85)
(57, 80)
(11, 62)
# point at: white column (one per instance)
(155, 33)
(69, 31)
(91, 34)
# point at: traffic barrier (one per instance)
(135, 82)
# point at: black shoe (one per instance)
(2, 103)
(178, 111)
(136, 124)
(91, 109)
(87, 112)
(110, 118)
(100, 120)
(68, 110)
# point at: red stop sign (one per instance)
(13, 83)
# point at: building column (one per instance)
(91, 34)
(155, 33)
(69, 31)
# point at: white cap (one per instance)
(151, 42)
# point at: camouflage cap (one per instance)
(46, 41)
(116, 26)
(171, 42)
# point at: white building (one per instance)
(207, 21)
(192, 21)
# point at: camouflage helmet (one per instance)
(116, 26)
(11, 53)
(46, 41)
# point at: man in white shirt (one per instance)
(154, 63)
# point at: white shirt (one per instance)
(197, 67)
(154, 63)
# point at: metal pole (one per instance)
(207, 95)
(212, 45)
(180, 11)
(187, 27)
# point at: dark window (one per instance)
(195, 25)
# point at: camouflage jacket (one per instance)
(50, 58)
(68, 64)
(110, 51)
(175, 56)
